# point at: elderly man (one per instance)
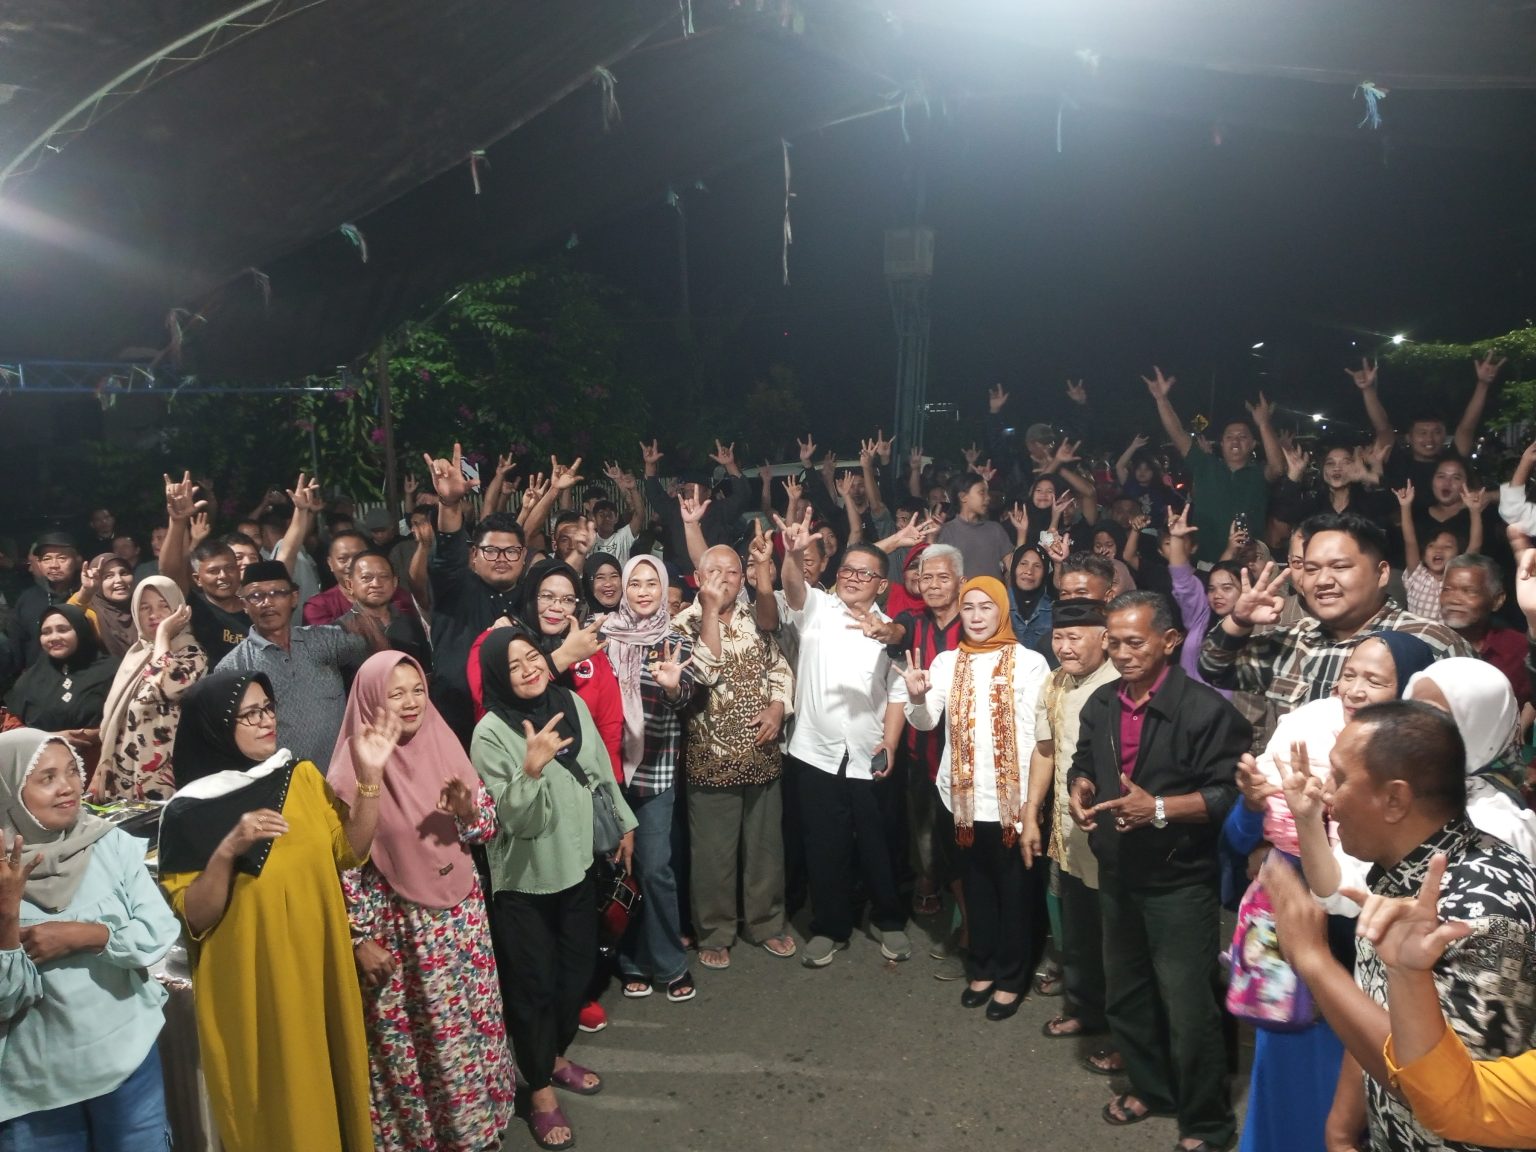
(304, 664)
(58, 562)
(375, 592)
(735, 803)
(1397, 790)
(336, 601)
(1344, 576)
(1472, 591)
(1077, 640)
(1151, 781)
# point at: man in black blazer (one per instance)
(1151, 782)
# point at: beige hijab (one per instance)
(125, 684)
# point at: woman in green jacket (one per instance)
(540, 756)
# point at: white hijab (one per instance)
(1482, 704)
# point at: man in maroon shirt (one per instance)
(334, 603)
(1472, 591)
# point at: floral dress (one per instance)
(139, 767)
(440, 1071)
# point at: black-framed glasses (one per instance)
(515, 552)
(263, 595)
(256, 714)
(857, 575)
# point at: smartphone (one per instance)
(878, 765)
(1241, 522)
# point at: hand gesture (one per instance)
(760, 547)
(1134, 809)
(544, 744)
(305, 495)
(996, 398)
(504, 465)
(1061, 507)
(807, 449)
(1059, 548)
(668, 671)
(457, 800)
(374, 745)
(1475, 502)
(627, 483)
(1261, 411)
(1365, 376)
(1255, 787)
(767, 724)
(14, 875)
(1404, 494)
(1178, 522)
(828, 466)
(691, 510)
(1138, 522)
(725, 455)
(712, 594)
(866, 451)
(1408, 934)
(1018, 516)
(920, 528)
(375, 966)
(612, 470)
(201, 527)
(536, 490)
(650, 456)
(971, 454)
(986, 471)
(1138, 442)
(1205, 444)
(1080, 796)
(883, 446)
(425, 534)
(89, 580)
(253, 828)
(1487, 368)
(1066, 453)
(563, 477)
(876, 627)
(447, 476)
(179, 499)
(1374, 459)
(171, 627)
(916, 677)
(584, 642)
(1158, 384)
(1077, 392)
(1303, 791)
(844, 486)
(1237, 536)
(793, 489)
(797, 535)
(915, 458)
(1261, 602)
(1296, 460)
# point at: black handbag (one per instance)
(606, 831)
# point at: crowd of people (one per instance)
(476, 769)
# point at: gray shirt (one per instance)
(985, 546)
(307, 684)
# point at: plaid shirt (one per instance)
(657, 770)
(1301, 663)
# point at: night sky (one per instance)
(1143, 241)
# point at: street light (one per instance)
(1259, 345)
(1399, 339)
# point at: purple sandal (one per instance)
(573, 1078)
(541, 1124)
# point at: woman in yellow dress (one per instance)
(251, 848)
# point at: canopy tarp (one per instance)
(190, 165)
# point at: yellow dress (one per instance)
(279, 1012)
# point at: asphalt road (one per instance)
(861, 1054)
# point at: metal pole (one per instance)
(391, 488)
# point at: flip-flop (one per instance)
(786, 940)
(929, 905)
(1050, 983)
(1126, 1117)
(1090, 1062)
(541, 1124)
(637, 989)
(1053, 1029)
(719, 965)
(573, 1078)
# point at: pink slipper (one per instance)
(573, 1078)
(541, 1124)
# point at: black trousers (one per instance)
(843, 818)
(1082, 952)
(550, 946)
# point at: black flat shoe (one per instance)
(996, 1011)
(970, 999)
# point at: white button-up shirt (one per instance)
(843, 682)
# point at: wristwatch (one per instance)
(1159, 813)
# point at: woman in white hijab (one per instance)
(1478, 697)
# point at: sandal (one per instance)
(716, 958)
(541, 1124)
(573, 1078)
(783, 945)
(927, 904)
(1099, 1062)
(1050, 983)
(637, 989)
(1066, 1027)
(681, 989)
(1118, 1112)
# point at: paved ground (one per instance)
(862, 1054)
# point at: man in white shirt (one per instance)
(849, 699)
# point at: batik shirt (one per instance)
(1487, 981)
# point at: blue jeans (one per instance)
(653, 949)
(130, 1118)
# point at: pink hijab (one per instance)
(416, 847)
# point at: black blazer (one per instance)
(1190, 742)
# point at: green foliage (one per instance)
(1445, 367)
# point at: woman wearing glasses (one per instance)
(251, 848)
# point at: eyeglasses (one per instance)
(563, 601)
(493, 554)
(263, 595)
(254, 716)
(857, 575)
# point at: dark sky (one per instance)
(1143, 241)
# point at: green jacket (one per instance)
(544, 843)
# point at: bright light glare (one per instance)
(1318, 417)
(1259, 345)
(1399, 338)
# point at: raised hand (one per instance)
(544, 744)
(1404, 494)
(828, 466)
(915, 458)
(584, 642)
(1261, 411)
(797, 535)
(504, 464)
(725, 455)
(374, 745)
(1255, 787)
(1475, 502)
(1018, 516)
(1260, 602)
(712, 593)
(201, 527)
(14, 873)
(866, 451)
(424, 533)
(793, 490)
(1487, 368)
(916, 676)
(668, 671)
(305, 495)
(691, 510)
(1303, 791)
(1408, 933)
(883, 446)
(921, 527)
(1158, 384)
(410, 485)
(90, 580)
(563, 477)
(614, 473)
(996, 398)
(457, 800)
(180, 503)
(650, 456)
(1077, 392)
(760, 547)
(1066, 453)
(1296, 460)
(1062, 506)
(171, 627)
(1138, 442)
(1138, 523)
(807, 449)
(1178, 522)
(1364, 376)
(986, 471)
(1060, 548)
(537, 487)
(971, 454)
(447, 476)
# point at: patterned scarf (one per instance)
(962, 748)
(629, 635)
